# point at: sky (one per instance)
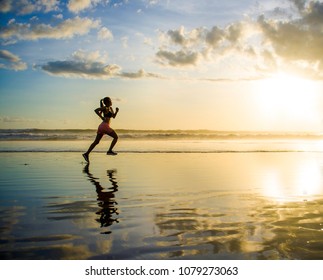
(167, 64)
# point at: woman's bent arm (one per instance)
(98, 111)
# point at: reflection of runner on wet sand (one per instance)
(106, 199)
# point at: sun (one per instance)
(288, 99)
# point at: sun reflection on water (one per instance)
(298, 180)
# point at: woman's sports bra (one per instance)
(107, 114)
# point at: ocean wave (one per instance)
(44, 134)
(87, 134)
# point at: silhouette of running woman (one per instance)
(105, 112)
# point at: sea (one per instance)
(167, 195)
(163, 141)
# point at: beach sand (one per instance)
(161, 206)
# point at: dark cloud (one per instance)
(89, 70)
(300, 39)
(179, 58)
(177, 36)
(313, 14)
(214, 36)
(138, 75)
(91, 66)
(11, 61)
(234, 32)
(300, 4)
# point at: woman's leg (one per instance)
(92, 146)
(114, 135)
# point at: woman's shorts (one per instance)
(104, 128)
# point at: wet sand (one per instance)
(161, 206)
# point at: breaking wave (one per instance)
(88, 134)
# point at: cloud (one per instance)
(214, 36)
(183, 38)
(24, 7)
(300, 4)
(177, 36)
(89, 70)
(181, 48)
(76, 6)
(91, 65)
(105, 34)
(6, 55)
(11, 61)
(290, 41)
(313, 13)
(66, 29)
(179, 58)
(83, 65)
(298, 40)
(152, 2)
(5, 6)
(81, 55)
(58, 16)
(139, 75)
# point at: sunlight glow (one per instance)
(294, 182)
(286, 98)
(309, 179)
